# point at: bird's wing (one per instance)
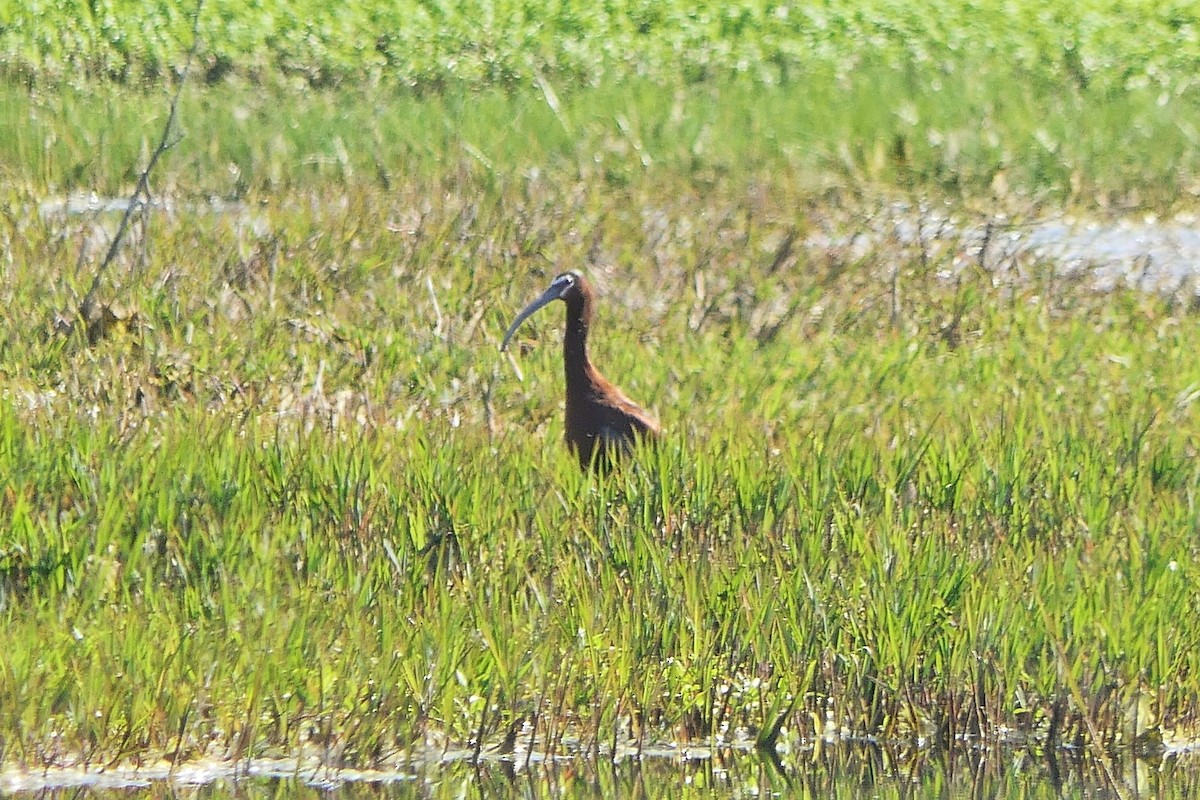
(615, 437)
(624, 425)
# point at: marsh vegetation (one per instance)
(285, 496)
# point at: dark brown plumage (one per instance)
(601, 421)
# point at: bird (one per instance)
(602, 423)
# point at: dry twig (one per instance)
(95, 315)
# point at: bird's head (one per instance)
(569, 287)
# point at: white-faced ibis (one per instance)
(601, 421)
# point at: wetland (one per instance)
(919, 321)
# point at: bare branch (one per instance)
(87, 308)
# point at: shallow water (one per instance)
(1147, 253)
(842, 771)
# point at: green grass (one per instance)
(1082, 105)
(293, 497)
(984, 142)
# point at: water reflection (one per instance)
(846, 771)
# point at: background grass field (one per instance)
(289, 495)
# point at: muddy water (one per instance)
(845, 771)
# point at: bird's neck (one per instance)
(575, 355)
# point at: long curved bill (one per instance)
(554, 292)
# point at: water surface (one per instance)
(836, 771)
